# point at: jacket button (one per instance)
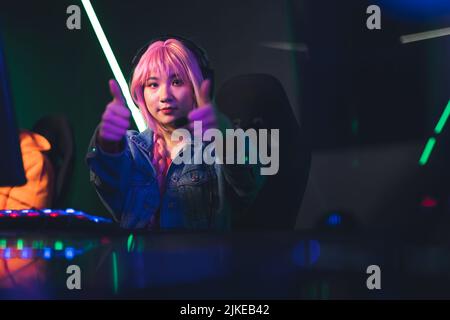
(171, 205)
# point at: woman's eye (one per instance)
(152, 84)
(177, 82)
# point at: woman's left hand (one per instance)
(206, 112)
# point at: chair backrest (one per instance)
(259, 101)
(57, 130)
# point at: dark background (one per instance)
(354, 90)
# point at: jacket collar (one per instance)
(144, 140)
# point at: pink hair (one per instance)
(164, 57)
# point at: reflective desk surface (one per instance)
(246, 265)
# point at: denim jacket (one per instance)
(197, 196)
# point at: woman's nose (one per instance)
(165, 93)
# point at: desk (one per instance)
(247, 265)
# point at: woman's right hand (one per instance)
(115, 120)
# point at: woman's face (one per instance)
(168, 97)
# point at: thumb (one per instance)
(115, 91)
(203, 98)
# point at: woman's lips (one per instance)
(168, 110)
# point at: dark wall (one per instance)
(364, 86)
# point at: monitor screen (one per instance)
(11, 166)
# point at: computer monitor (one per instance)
(11, 166)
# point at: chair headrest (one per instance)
(57, 130)
(257, 101)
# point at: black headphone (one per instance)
(199, 53)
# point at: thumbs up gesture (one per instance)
(115, 120)
(205, 112)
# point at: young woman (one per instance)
(133, 172)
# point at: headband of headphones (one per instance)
(199, 53)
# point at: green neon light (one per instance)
(59, 245)
(115, 273)
(130, 242)
(140, 123)
(2, 243)
(427, 151)
(19, 244)
(441, 123)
